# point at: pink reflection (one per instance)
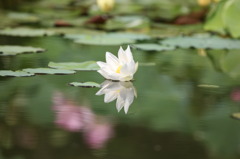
(98, 134)
(235, 95)
(70, 116)
(74, 118)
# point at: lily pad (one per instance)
(23, 17)
(153, 47)
(236, 115)
(48, 71)
(8, 50)
(77, 66)
(202, 42)
(85, 84)
(127, 22)
(103, 40)
(126, 35)
(26, 32)
(10, 73)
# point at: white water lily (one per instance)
(124, 92)
(119, 69)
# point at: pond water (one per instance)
(183, 106)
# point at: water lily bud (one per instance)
(106, 5)
(204, 2)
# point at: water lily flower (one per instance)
(124, 92)
(106, 5)
(120, 69)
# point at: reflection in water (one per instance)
(235, 95)
(124, 92)
(71, 117)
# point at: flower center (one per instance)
(118, 69)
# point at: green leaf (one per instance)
(48, 71)
(230, 64)
(85, 84)
(107, 39)
(103, 40)
(26, 32)
(77, 66)
(126, 35)
(127, 22)
(9, 73)
(8, 50)
(23, 17)
(202, 42)
(236, 116)
(215, 19)
(231, 17)
(153, 47)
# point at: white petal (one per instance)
(112, 60)
(110, 96)
(103, 73)
(136, 67)
(119, 104)
(121, 56)
(125, 70)
(101, 64)
(129, 54)
(129, 97)
(126, 106)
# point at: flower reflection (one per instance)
(70, 116)
(235, 95)
(97, 130)
(124, 92)
(98, 134)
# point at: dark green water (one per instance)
(183, 107)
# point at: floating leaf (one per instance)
(8, 50)
(126, 35)
(222, 18)
(127, 22)
(153, 47)
(77, 66)
(202, 42)
(9, 73)
(230, 63)
(23, 17)
(231, 13)
(214, 19)
(236, 115)
(26, 32)
(103, 40)
(48, 71)
(85, 84)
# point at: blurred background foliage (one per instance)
(186, 96)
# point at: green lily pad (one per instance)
(126, 35)
(202, 42)
(8, 50)
(153, 47)
(77, 66)
(127, 22)
(103, 40)
(23, 17)
(85, 84)
(48, 71)
(236, 115)
(26, 32)
(9, 73)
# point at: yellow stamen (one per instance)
(118, 69)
